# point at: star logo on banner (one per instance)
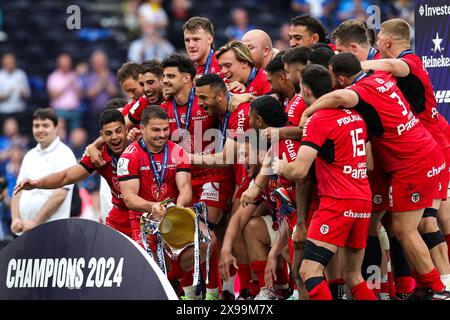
(437, 43)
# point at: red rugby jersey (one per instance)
(295, 108)
(237, 124)
(135, 110)
(109, 172)
(135, 164)
(257, 85)
(418, 90)
(213, 66)
(339, 136)
(199, 123)
(398, 137)
(290, 149)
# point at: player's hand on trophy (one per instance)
(157, 212)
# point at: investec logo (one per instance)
(431, 11)
(440, 61)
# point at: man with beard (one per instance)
(261, 47)
(199, 42)
(114, 133)
(149, 75)
(408, 151)
(150, 171)
(258, 231)
(306, 31)
(190, 124)
(148, 78)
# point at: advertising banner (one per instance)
(79, 259)
(432, 41)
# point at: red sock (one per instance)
(258, 268)
(362, 292)
(244, 276)
(320, 292)
(417, 279)
(385, 287)
(405, 284)
(291, 257)
(447, 239)
(432, 280)
(392, 291)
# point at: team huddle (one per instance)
(318, 166)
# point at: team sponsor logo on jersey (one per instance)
(377, 199)
(183, 118)
(241, 121)
(122, 167)
(435, 171)
(403, 127)
(385, 87)
(356, 173)
(349, 119)
(357, 215)
(324, 229)
(294, 104)
(415, 197)
(291, 150)
(210, 192)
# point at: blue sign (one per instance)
(432, 41)
(79, 259)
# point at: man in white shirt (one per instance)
(34, 207)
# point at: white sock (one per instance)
(295, 294)
(229, 285)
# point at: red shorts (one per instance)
(379, 184)
(342, 222)
(445, 175)
(119, 220)
(313, 207)
(415, 187)
(215, 194)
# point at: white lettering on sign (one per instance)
(64, 273)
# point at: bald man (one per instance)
(261, 47)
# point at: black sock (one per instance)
(372, 255)
(398, 260)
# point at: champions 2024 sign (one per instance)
(432, 40)
(79, 259)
